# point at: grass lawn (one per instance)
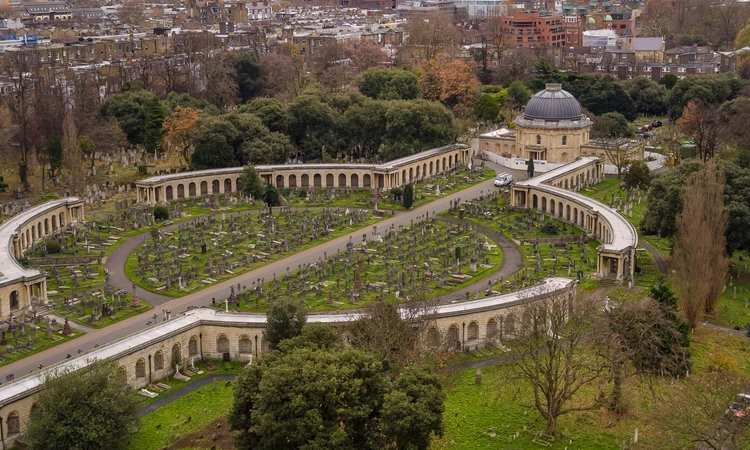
(732, 308)
(10, 355)
(82, 318)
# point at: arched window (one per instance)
(246, 345)
(453, 337)
(159, 361)
(193, 346)
(565, 140)
(473, 331)
(14, 424)
(122, 375)
(433, 337)
(492, 328)
(538, 140)
(222, 344)
(176, 355)
(14, 300)
(140, 368)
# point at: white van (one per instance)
(503, 179)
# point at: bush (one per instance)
(302, 194)
(550, 228)
(161, 213)
(408, 199)
(53, 247)
(143, 170)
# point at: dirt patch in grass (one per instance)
(216, 433)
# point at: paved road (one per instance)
(116, 266)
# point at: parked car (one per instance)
(656, 123)
(644, 129)
(503, 179)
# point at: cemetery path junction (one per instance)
(116, 266)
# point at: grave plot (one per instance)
(425, 259)
(83, 294)
(85, 242)
(425, 191)
(205, 251)
(27, 333)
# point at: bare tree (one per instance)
(704, 122)
(429, 35)
(700, 245)
(18, 69)
(72, 154)
(549, 352)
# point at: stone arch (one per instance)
(317, 180)
(559, 209)
(534, 201)
(14, 423)
(564, 157)
(170, 193)
(567, 212)
(492, 328)
(366, 181)
(444, 166)
(39, 230)
(46, 227)
(433, 337)
(418, 171)
(222, 343)
(204, 187)
(215, 187)
(403, 176)
(566, 183)
(305, 180)
(424, 170)
(122, 375)
(473, 334)
(538, 140)
(450, 161)
(544, 204)
(15, 300)
(193, 346)
(455, 159)
(33, 234)
(159, 360)
(180, 190)
(33, 411)
(292, 181)
(411, 174)
(329, 180)
(342, 180)
(227, 185)
(176, 354)
(140, 368)
(28, 239)
(245, 344)
(355, 181)
(582, 221)
(453, 338)
(565, 142)
(62, 220)
(191, 190)
(552, 207)
(509, 324)
(431, 172)
(279, 181)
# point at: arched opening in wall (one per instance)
(455, 159)
(292, 181)
(444, 166)
(222, 344)
(159, 360)
(433, 337)
(366, 181)
(227, 185)
(544, 204)
(581, 221)
(46, 227)
(566, 183)
(431, 172)
(140, 368)
(473, 331)
(34, 411)
(342, 180)
(54, 223)
(509, 324)
(180, 191)
(575, 216)
(452, 339)
(552, 207)
(450, 161)
(176, 355)
(204, 187)
(534, 201)
(215, 187)
(355, 180)
(279, 181)
(559, 209)
(33, 234)
(411, 174)
(329, 180)
(157, 194)
(193, 346)
(62, 220)
(170, 193)
(565, 142)
(191, 190)
(567, 212)
(122, 375)
(403, 176)
(424, 169)
(418, 171)
(564, 157)
(492, 328)
(39, 230)
(538, 140)
(305, 180)
(246, 345)
(14, 423)
(28, 239)
(317, 180)
(15, 301)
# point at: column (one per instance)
(619, 267)
(599, 265)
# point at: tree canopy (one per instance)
(129, 108)
(389, 84)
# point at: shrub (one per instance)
(143, 170)
(53, 247)
(161, 213)
(408, 199)
(550, 228)
(302, 194)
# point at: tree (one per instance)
(743, 37)
(92, 408)
(284, 320)
(129, 108)
(602, 94)
(487, 108)
(700, 244)
(548, 352)
(408, 197)
(177, 129)
(649, 96)
(283, 74)
(251, 183)
(269, 111)
(54, 155)
(637, 176)
(519, 93)
(414, 126)
(311, 126)
(530, 168)
(449, 81)
(713, 89)
(660, 19)
(704, 124)
(212, 155)
(248, 76)
(429, 35)
(366, 54)
(364, 126)
(72, 153)
(664, 200)
(389, 84)
(614, 131)
(154, 121)
(668, 80)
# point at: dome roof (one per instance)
(553, 105)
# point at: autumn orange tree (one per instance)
(704, 123)
(449, 81)
(177, 127)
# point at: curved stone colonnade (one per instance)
(555, 194)
(20, 287)
(149, 355)
(412, 168)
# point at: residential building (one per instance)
(534, 29)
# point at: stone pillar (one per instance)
(619, 266)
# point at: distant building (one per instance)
(647, 49)
(534, 29)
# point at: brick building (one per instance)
(534, 29)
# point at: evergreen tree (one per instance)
(408, 199)
(530, 168)
(155, 115)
